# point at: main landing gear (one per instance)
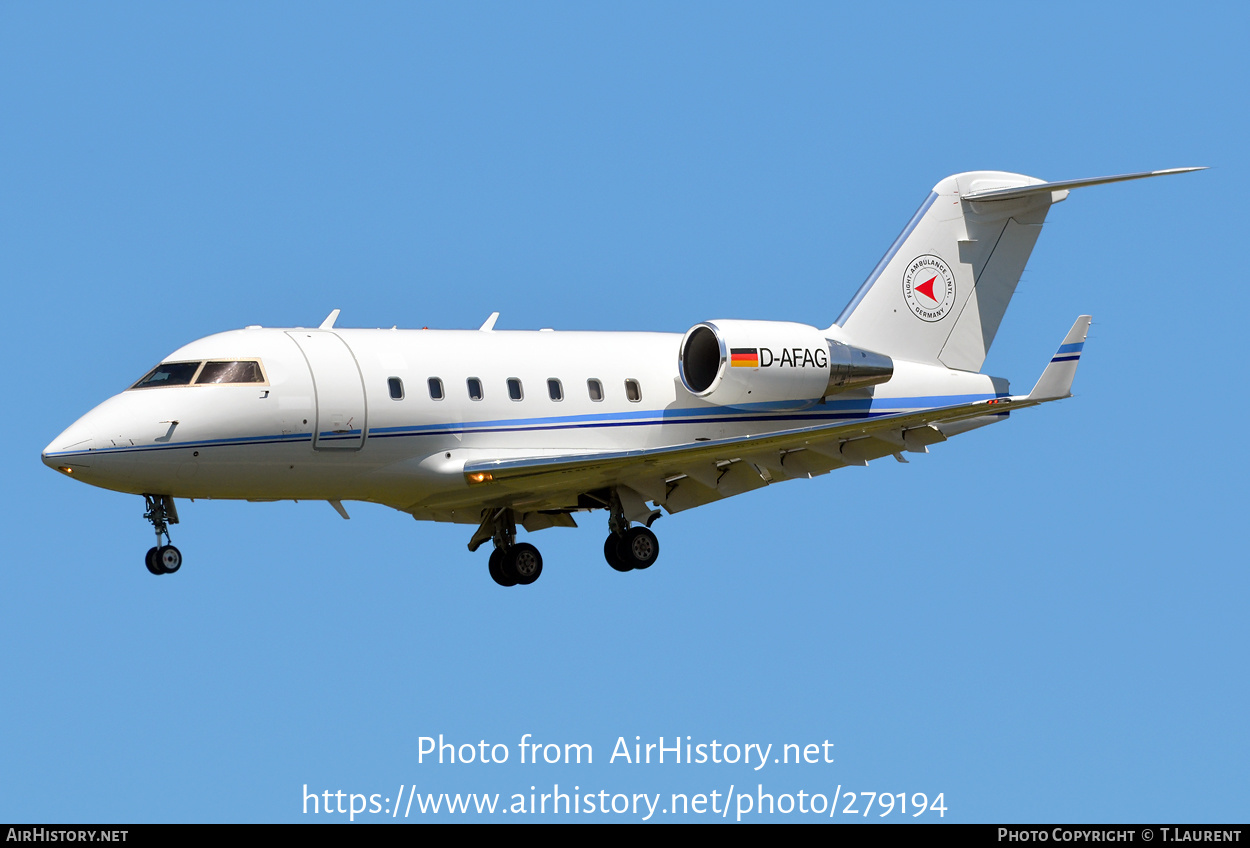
(637, 548)
(161, 512)
(512, 563)
(629, 548)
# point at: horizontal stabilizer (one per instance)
(1056, 380)
(1025, 191)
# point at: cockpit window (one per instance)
(211, 373)
(230, 372)
(169, 374)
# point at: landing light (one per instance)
(480, 477)
(66, 469)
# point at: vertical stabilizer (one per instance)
(940, 292)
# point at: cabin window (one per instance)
(230, 372)
(396, 386)
(436, 388)
(554, 390)
(514, 389)
(168, 374)
(633, 391)
(596, 389)
(475, 388)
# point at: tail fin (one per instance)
(940, 292)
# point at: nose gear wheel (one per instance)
(160, 513)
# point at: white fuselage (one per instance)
(325, 424)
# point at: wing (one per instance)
(686, 475)
(543, 490)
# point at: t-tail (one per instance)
(941, 290)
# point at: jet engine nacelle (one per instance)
(785, 365)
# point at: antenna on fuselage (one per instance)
(489, 323)
(328, 324)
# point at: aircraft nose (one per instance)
(77, 438)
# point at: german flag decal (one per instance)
(744, 357)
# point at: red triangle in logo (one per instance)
(926, 289)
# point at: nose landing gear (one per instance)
(161, 512)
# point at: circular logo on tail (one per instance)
(929, 287)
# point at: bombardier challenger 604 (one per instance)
(497, 429)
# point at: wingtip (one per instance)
(1056, 380)
(1080, 329)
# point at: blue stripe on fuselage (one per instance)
(838, 410)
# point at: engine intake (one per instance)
(784, 365)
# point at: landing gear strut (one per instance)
(511, 563)
(161, 512)
(628, 548)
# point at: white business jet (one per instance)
(497, 429)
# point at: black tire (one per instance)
(639, 547)
(496, 569)
(611, 554)
(150, 561)
(524, 563)
(169, 559)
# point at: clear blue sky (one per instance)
(1044, 620)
